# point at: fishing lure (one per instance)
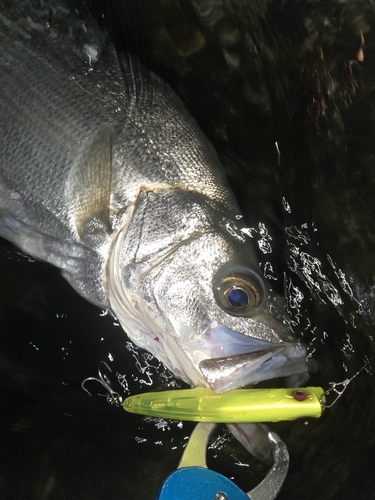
(201, 404)
(237, 406)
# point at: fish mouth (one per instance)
(228, 360)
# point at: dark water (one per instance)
(260, 78)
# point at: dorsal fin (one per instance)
(143, 87)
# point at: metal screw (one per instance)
(220, 496)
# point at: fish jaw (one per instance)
(225, 359)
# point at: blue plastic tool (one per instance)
(193, 480)
(199, 484)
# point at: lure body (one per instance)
(238, 406)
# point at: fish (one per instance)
(105, 174)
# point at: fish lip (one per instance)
(226, 359)
(233, 372)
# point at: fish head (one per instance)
(202, 307)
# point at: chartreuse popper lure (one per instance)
(238, 406)
(201, 404)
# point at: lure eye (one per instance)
(238, 291)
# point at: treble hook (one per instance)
(340, 387)
(113, 397)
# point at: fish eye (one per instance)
(238, 290)
(237, 297)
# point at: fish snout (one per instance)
(237, 360)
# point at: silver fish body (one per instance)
(104, 174)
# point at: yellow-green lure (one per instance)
(238, 406)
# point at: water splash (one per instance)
(148, 368)
(313, 287)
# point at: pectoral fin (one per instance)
(88, 189)
(64, 255)
(80, 265)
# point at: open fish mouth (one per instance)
(229, 360)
